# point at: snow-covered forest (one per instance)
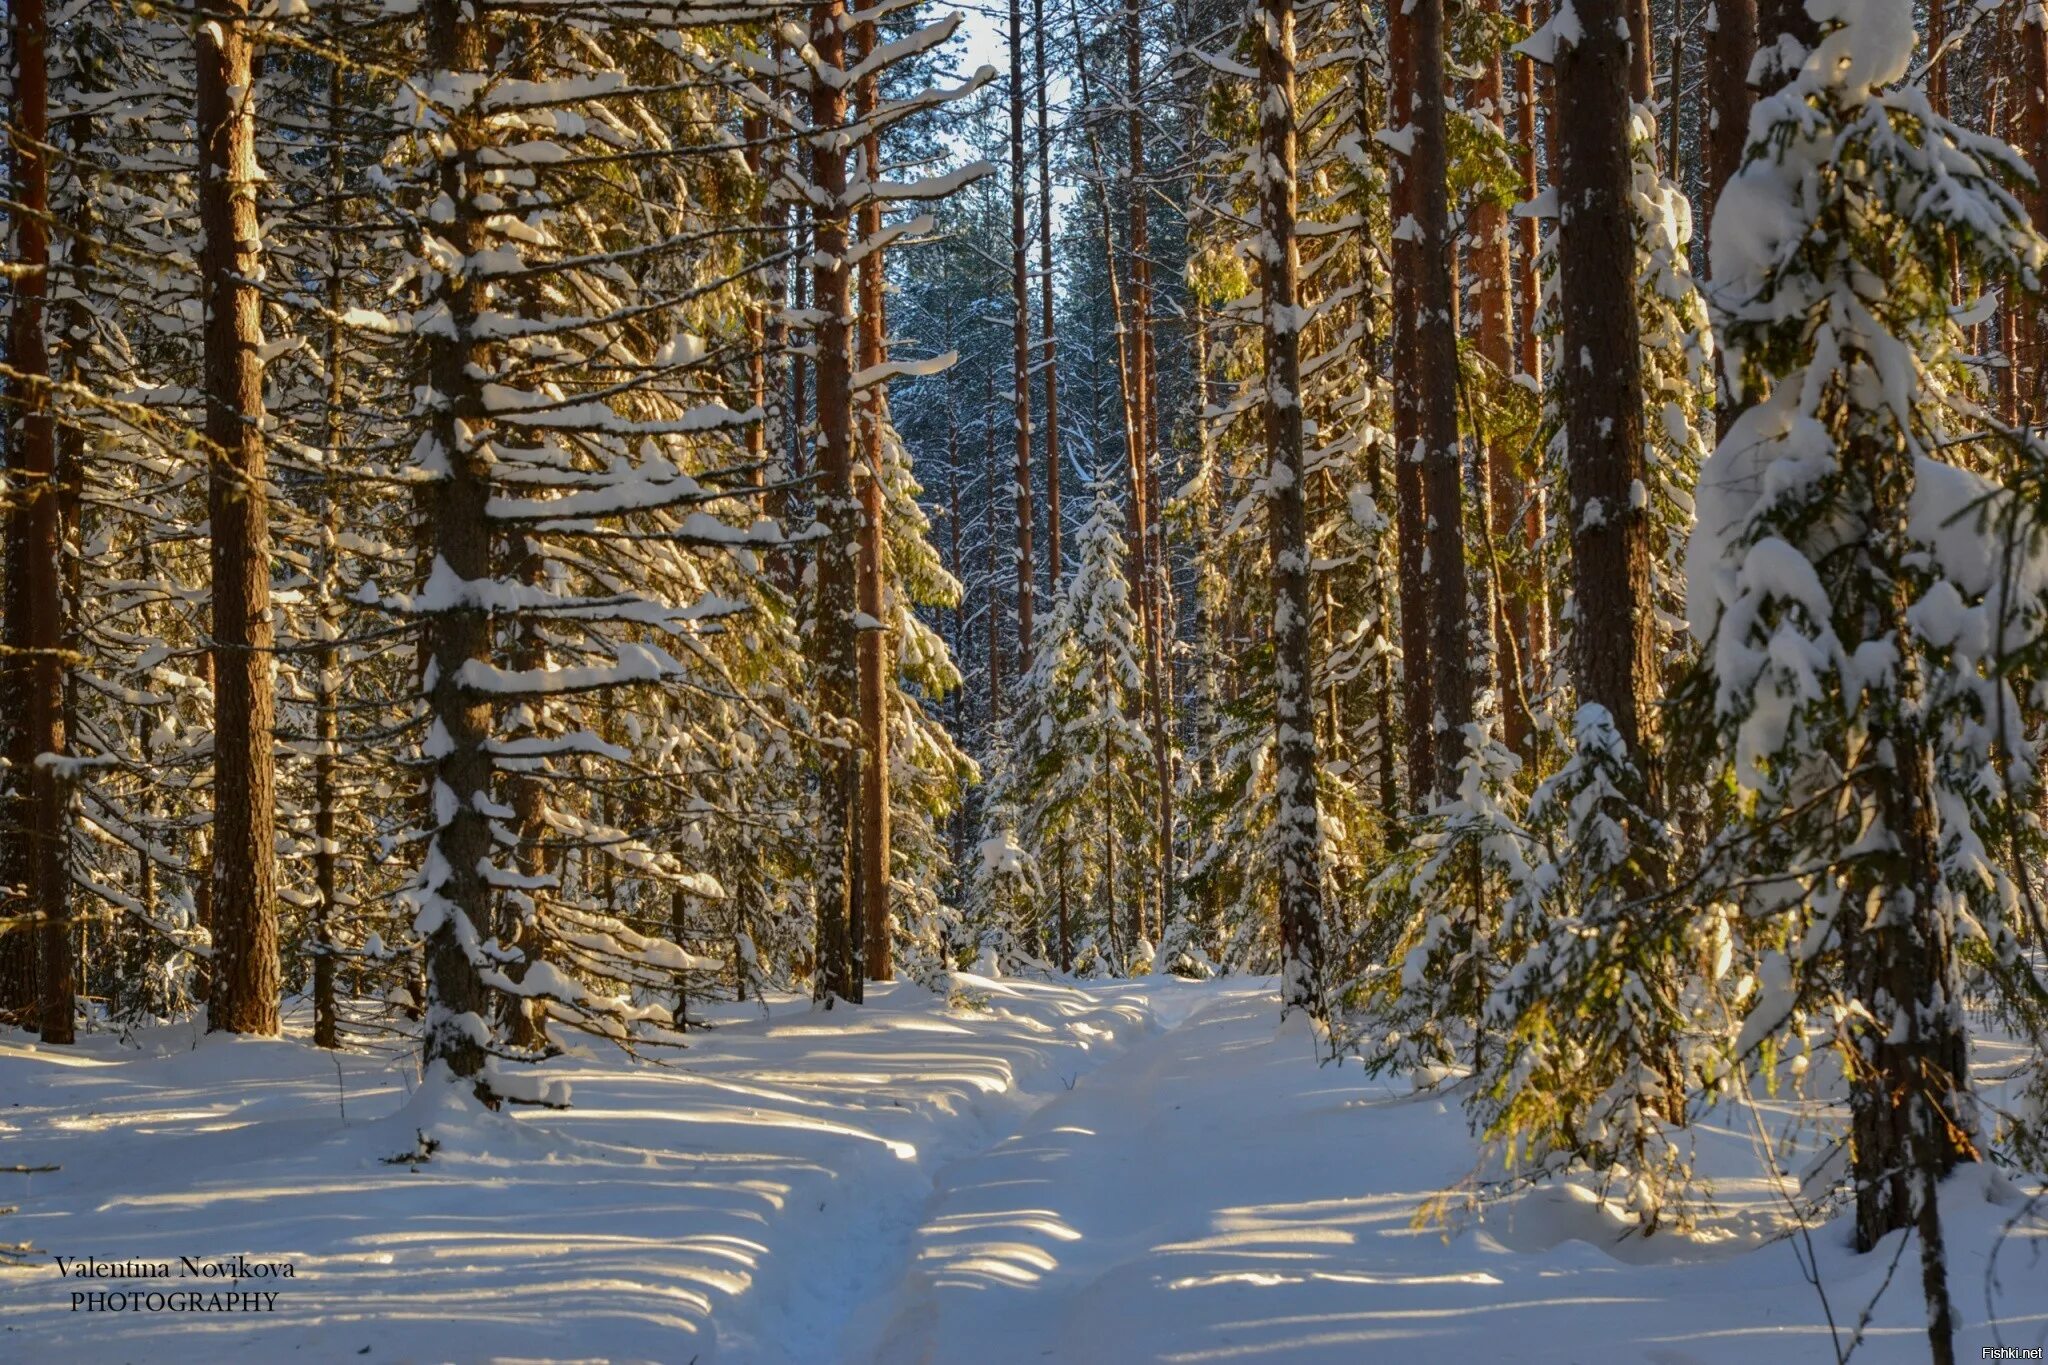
(1244, 679)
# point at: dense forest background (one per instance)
(1524, 521)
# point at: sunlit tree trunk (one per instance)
(2030, 129)
(245, 990)
(1146, 575)
(1020, 343)
(1731, 47)
(1491, 270)
(1614, 657)
(458, 533)
(840, 939)
(1296, 832)
(326, 659)
(1425, 355)
(1053, 474)
(872, 640)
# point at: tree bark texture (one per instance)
(459, 535)
(838, 966)
(1614, 657)
(873, 639)
(245, 986)
(1297, 834)
(35, 959)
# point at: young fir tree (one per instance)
(1869, 605)
(1081, 754)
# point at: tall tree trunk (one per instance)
(1535, 597)
(459, 535)
(1674, 83)
(1296, 830)
(1492, 271)
(1409, 382)
(326, 659)
(75, 348)
(2002, 332)
(1642, 51)
(1426, 351)
(1530, 352)
(245, 967)
(799, 368)
(1020, 343)
(36, 964)
(1146, 573)
(1127, 379)
(1208, 629)
(326, 755)
(2030, 321)
(873, 637)
(768, 439)
(1053, 473)
(840, 938)
(956, 566)
(990, 473)
(1614, 640)
(1782, 31)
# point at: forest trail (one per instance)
(1211, 1194)
(1114, 1172)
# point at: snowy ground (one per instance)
(1128, 1172)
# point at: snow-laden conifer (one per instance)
(1867, 590)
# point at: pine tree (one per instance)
(1299, 834)
(244, 967)
(573, 459)
(35, 953)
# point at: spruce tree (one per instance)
(1867, 600)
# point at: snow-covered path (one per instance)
(1211, 1195)
(1121, 1172)
(735, 1204)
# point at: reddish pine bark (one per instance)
(1425, 353)
(1731, 47)
(840, 936)
(1600, 378)
(36, 966)
(245, 986)
(1411, 516)
(1642, 51)
(1146, 574)
(1053, 474)
(1492, 273)
(2030, 322)
(1296, 831)
(872, 641)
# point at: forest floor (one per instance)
(1115, 1172)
